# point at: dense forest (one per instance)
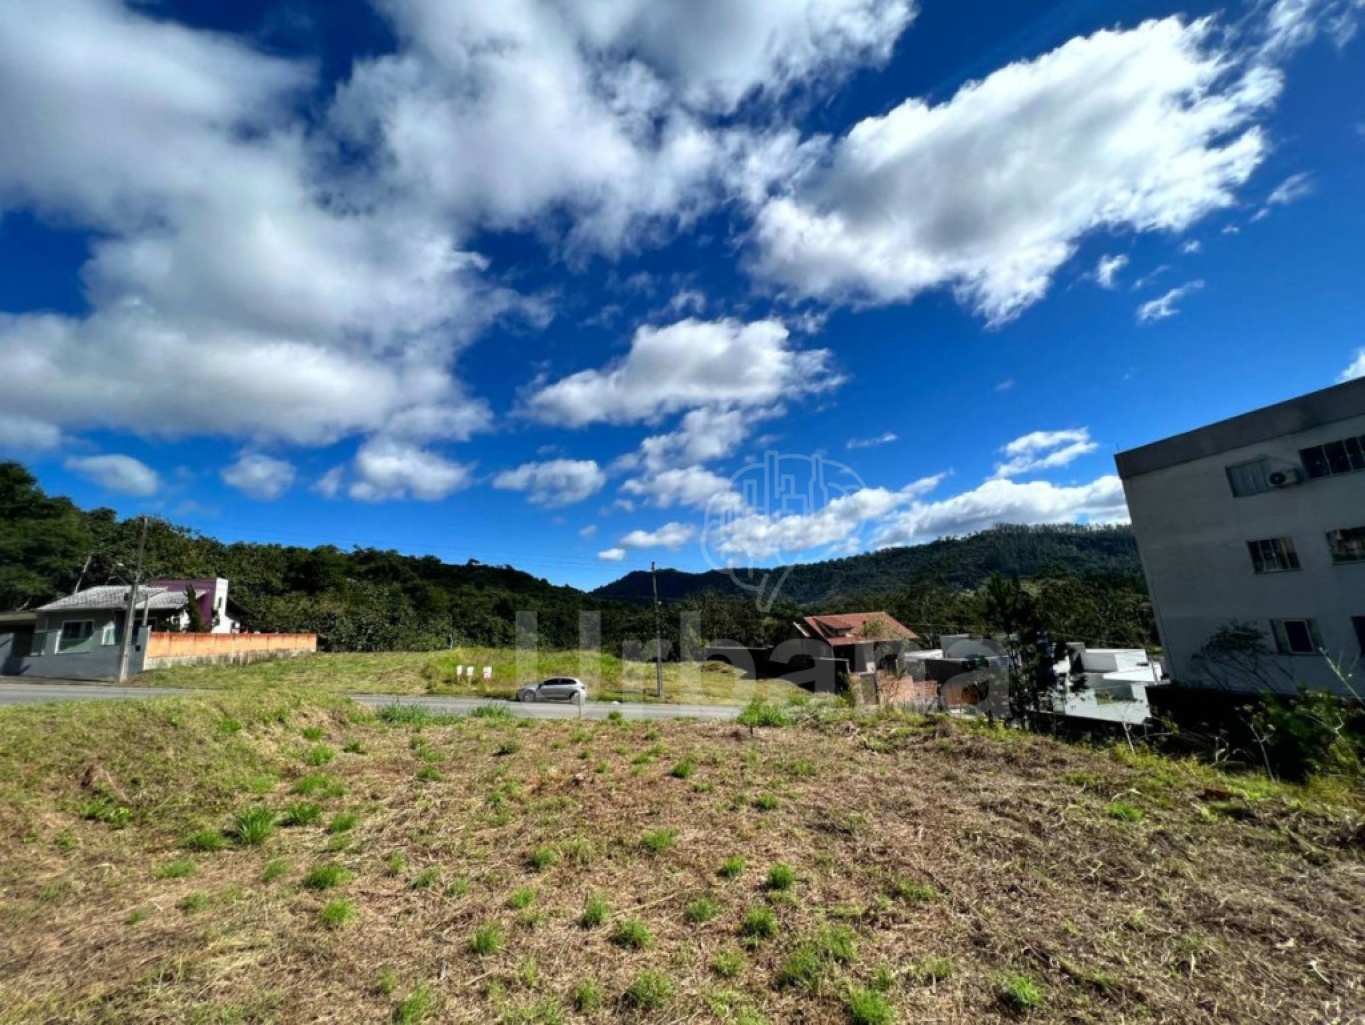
(1084, 582)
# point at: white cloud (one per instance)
(671, 536)
(1291, 190)
(1005, 385)
(386, 469)
(881, 439)
(260, 476)
(589, 531)
(1165, 306)
(1044, 450)
(330, 483)
(1108, 268)
(1293, 24)
(612, 555)
(556, 483)
(1006, 501)
(688, 365)
(123, 474)
(989, 193)
(703, 435)
(1191, 247)
(21, 433)
(693, 486)
(1356, 369)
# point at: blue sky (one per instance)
(541, 282)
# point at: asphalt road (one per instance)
(28, 693)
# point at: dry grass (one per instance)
(608, 677)
(947, 875)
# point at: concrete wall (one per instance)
(1192, 535)
(174, 649)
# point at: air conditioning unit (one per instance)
(1285, 478)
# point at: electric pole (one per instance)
(130, 617)
(658, 637)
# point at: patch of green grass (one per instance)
(405, 715)
(763, 713)
(429, 774)
(615, 717)
(337, 913)
(495, 713)
(135, 916)
(731, 867)
(1018, 992)
(522, 897)
(802, 768)
(301, 813)
(229, 727)
(343, 822)
(728, 963)
(426, 879)
(111, 813)
(312, 733)
(274, 869)
(933, 970)
(507, 747)
(702, 910)
(808, 964)
(759, 924)
(205, 840)
(397, 864)
(414, 1008)
(632, 934)
(1083, 778)
(253, 826)
(587, 996)
(543, 857)
(766, 802)
(913, 890)
(1124, 812)
(325, 877)
(319, 784)
(353, 747)
(780, 877)
(650, 991)
(178, 869)
(657, 841)
(387, 982)
(193, 902)
(318, 755)
(683, 769)
(486, 941)
(867, 1006)
(595, 912)
(580, 852)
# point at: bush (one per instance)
(1313, 734)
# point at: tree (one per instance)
(196, 615)
(43, 541)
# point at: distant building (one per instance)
(859, 642)
(1258, 520)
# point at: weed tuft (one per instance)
(702, 910)
(632, 934)
(319, 784)
(728, 963)
(486, 941)
(595, 912)
(766, 802)
(253, 826)
(325, 877)
(869, 1007)
(543, 857)
(650, 990)
(1018, 992)
(522, 897)
(319, 755)
(684, 769)
(587, 996)
(274, 869)
(657, 841)
(414, 1008)
(343, 822)
(759, 924)
(781, 877)
(1124, 812)
(205, 840)
(301, 813)
(179, 869)
(337, 913)
(731, 868)
(914, 891)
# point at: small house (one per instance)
(858, 642)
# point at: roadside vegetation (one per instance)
(196, 865)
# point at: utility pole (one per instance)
(658, 637)
(130, 616)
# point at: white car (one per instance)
(557, 688)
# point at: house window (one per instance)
(108, 635)
(1347, 545)
(1273, 555)
(1249, 478)
(1296, 636)
(1344, 456)
(76, 636)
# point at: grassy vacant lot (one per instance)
(608, 677)
(269, 857)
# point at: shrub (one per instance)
(324, 877)
(869, 1007)
(759, 924)
(702, 910)
(728, 963)
(486, 941)
(253, 826)
(176, 869)
(1312, 734)
(632, 934)
(731, 867)
(650, 991)
(337, 913)
(656, 841)
(204, 840)
(301, 813)
(1018, 992)
(595, 912)
(781, 877)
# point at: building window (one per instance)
(1249, 478)
(1344, 456)
(76, 636)
(1273, 555)
(108, 635)
(1347, 545)
(1296, 636)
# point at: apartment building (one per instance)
(1260, 521)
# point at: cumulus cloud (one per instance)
(690, 486)
(1044, 450)
(1356, 369)
(386, 469)
(989, 193)
(881, 439)
(1165, 305)
(556, 483)
(260, 476)
(686, 365)
(21, 433)
(1006, 501)
(612, 555)
(1108, 268)
(671, 536)
(124, 474)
